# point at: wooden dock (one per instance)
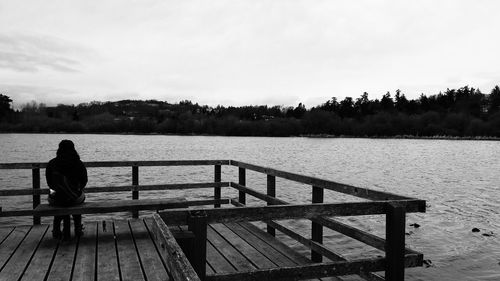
(218, 243)
(126, 250)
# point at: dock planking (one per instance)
(125, 250)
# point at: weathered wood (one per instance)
(318, 248)
(135, 191)
(85, 262)
(282, 212)
(130, 265)
(395, 242)
(4, 232)
(177, 263)
(242, 178)
(360, 235)
(217, 178)
(253, 255)
(316, 228)
(98, 189)
(62, 266)
(240, 262)
(304, 271)
(41, 262)
(36, 198)
(265, 248)
(11, 243)
(339, 187)
(107, 261)
(271, 192)
(150, 257)
(112, 206)
(20, 259)
(197, 222)
(12, 166)
(217, 261)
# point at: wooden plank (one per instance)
(282, 212)
(150, 258)
(97, 189)
(62, 266)
(107, 261)
(10, 244)
(239, 261)
(276, 244)
(85, 262)
(198, 258)
(217, 261)
(255, 257)
(4, 232)
(112, 206)
(242, 181)
(177, 262)
(130, 265)
(41, 262)
(304, 271)
(335, 186)
(11, 166)
(15, 267)
(260, 245)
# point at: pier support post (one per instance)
(135, 183)
(35, 171)
(316, 228)
(217, 190)
(242, 180)
(197, 223)
(395, 242)
(271, 191)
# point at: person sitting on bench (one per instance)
(66, 177)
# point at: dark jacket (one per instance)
(66, 176)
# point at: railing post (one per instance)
(36, 186)
(197, 223)
(135, 191)
(395, 242)
(271, 191)
(217, 189)
(316, 228)
(242, 180)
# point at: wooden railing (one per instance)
(393, 206)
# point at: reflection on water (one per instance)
(459, 180)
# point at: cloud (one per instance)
(32, 53)
(21, 94)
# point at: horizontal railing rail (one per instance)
(122, 164)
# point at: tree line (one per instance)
(463, 112)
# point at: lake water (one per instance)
(459, 179)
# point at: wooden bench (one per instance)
(111, 206)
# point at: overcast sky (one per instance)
(244, 52)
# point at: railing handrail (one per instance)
(108, 164)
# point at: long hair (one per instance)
(67, 150)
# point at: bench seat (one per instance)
(111, 206)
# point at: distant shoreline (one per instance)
(317, 136)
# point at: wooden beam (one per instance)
(395, 242)
(242, 181)
(97, 189)
(316, 228)
(217, 178)
(197, 222)
(135, 191)
(36, 197)
(12, 166)
(271, 192)
(176, 261)
(301, 272)
(303, 211)
(111, 207)
(335, 186)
